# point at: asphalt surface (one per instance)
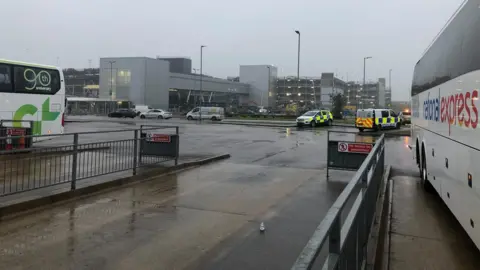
(204, 218)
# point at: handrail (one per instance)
(330, 227)
(88, 132)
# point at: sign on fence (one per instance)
(348, 151)
(160, 138)
(346, 147)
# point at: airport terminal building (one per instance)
(169, 83)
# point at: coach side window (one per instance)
(5, 79)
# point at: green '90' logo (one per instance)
(29, 109)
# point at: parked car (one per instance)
(156, 113)
(406, 117)
(123, 113)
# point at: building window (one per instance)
(123, 77)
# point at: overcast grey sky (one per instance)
(336, 34)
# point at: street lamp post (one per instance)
(364, 65)
(298, 59)
(390, 80)
(389, 84)
(201, 76)
(298, 55)
(111, 78)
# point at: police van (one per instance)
(377, 119)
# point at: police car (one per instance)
(314, 118)
(377, 119)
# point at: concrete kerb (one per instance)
(253, 124)
(8, 211)
(378, 239)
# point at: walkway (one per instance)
(424, 233)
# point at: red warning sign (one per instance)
(164, 138)
(363, 148)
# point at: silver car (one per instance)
(156, 113)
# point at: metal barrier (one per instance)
(341, 243)
(347, 154)
(68, 158)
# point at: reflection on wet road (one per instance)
(205, 218)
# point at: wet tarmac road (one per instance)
(205, 218)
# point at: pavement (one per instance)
(424, 233)
(204, 218)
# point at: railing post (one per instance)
(364, 212)
(74, 162)
(334, 238)
(177, 146)
(135, 151)
(328, 152)
(141, 148)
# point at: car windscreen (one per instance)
(310, 113)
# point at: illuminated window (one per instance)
(124, 76)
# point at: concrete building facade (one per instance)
(373, 96)
(149, 81)
(140, 80)
(261, 79)
(309, 92)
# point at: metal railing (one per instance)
(340, 242)
(72, 157)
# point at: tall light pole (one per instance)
(389, 84)
(201, 76)
(364, 65)
(298, 60)
(111, 78)
(390, 80)
(201, 68)
(298, 55)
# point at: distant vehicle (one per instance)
(376, 119)
(406, 117)
(123, 113)
(314, 118)
(156, 113)
(32, 92)
(212, 113)
(445, 117)
(139, 109)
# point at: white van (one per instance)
(139, 109)
(212, 113)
